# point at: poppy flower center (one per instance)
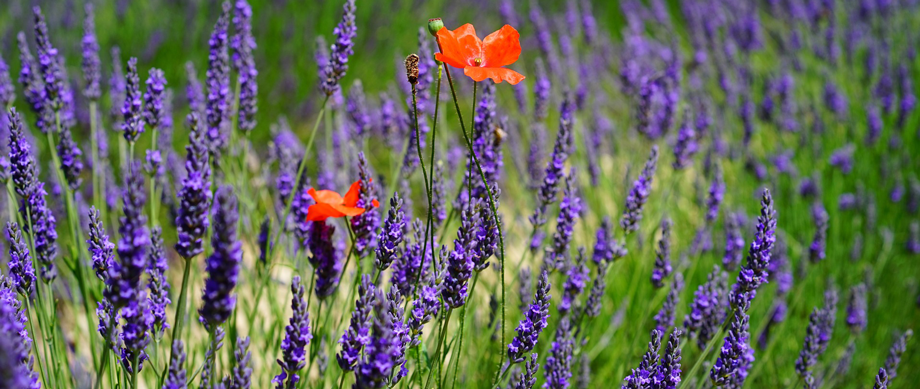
(477, 61)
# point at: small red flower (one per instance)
(481, 59)
(332, 204)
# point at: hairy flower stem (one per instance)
(498, 224)
(462, 321)
(421, 161)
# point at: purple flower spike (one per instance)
(241, 375)
(194, 195)
(529, 329)
(157, 282)
(881, 380)
(337, 65)
(817, 336)
(663, 255)
(325, 259)
(569, 211)
(459, 263)
(575, 281)
(124, 277)
(176, 378)
(556, 165)
(217, 106)
(92, 66)
(135, 333)
(686, 146)
(16, 363)
(664, 319)
(242, 44)
(20, 264)
(133, 124)
(100, 248)
(357, 336)
(816, 251)
(223, 266)
(856, 309)
(390, 246)
(71, 159)
(48, 63)
(366, 224)
(558, 367)
(154, 109)
(297, 337)
(716, 194)
(639, 193)
(376, 367)
(894, 354)
(529, 378)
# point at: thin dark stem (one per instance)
(437, 352)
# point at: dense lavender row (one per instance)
(629, 227)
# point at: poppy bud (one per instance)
(435, 25)
(412, 68)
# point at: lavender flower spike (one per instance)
(377, 365)
(734, 242)
(366, 224)
(133, 125)
(20, 264)
(154, 109)
(639, 193)
(894, 354)
(535, 320)
(856, 309)
(100, 248)
(357, 336)
(297, 337)
(71, 159)
(242, 44)
(195, 194)
(16, 363)
(558, 367)
(325, 258)
(157, 283)
(92, 66)
(176, 378)
(48, 63)
(241, 375)
(664, 319)
(124, 278)
(575, 281)
(569, 210)
(223, 266)
(556, 165)
(391, 238)
(459, 264)
(881, 380)
(345, 33)
(663, 255)
(816, 251)
(217, 106)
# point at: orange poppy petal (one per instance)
(502, 47)
(351, 197)
(325, 196)
(459, 47)
(496, 74)
(321, 211)
(348, 211)
(376, 203)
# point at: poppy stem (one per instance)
(498, 224)
(425, 176)
(429, 224)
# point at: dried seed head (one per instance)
(412, 68)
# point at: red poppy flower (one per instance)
(481, 59)
(331, 204)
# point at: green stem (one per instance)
(437, 351)
(180, 311)
(493, 208)
(462, 321)
(425, 177)
(34, 335)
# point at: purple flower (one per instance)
(816, 251)
(345, 33)
(33, 86)
(71, 159)
(154, 110)
(207, 371)
(556, 165)
(427, 306)
(664, 319)
(389, 247)
(157, 282)
(124, 277)
(194, 92)
(459, 263)
(842, 158)
(357, 336)
(632, 214)
(223, 265)
(366, 224)
(558, 367)
(20, 264)
(325, 259)
(734, 242)
(176, 377)
(913, 241)
(92, 66)
(406, 268)
(48, 63)
(648, 368)
(817, 336)
(606, 248)
(7, 90)
(569, 211)
(596, 295)
(100, 248)
(133, 124)
(716, 194)
(541, 90)
(242, 44)
(686, 146)
(534, 322)
(707, 311)
(378, 362)
(881, 380)
(529, 378)
(908, 99)
(894, 354)
(194, 195)
(16, 363)
(117, 87)
(856, 309)
(663, 255)
(134, 333)
(575, 282)
(241, 375)
(217, 106)
(297, 337)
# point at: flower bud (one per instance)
(412, 68)
(435, 25)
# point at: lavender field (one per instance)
(374, 194)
